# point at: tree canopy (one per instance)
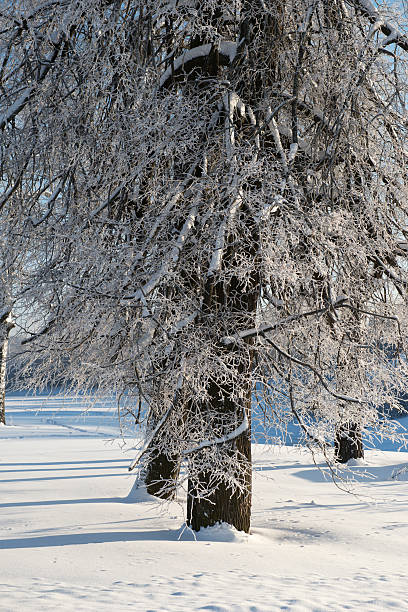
(213, 196)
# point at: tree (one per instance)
(31, 44)
(228, 222)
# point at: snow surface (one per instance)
(76, 535)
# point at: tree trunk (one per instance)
(161, 475)
(3, 359)
(162, 469)
(211, 499)
(348, 443)
(4, 337)
(223, 505)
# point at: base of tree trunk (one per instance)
(161, 476)
(348, 443)
(222, 505)
(5, 331)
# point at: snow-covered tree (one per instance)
(225, 235)
(31, 45)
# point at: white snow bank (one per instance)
(221, 532)
(356, 463)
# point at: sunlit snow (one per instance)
(76, 535)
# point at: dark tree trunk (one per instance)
(7, 326)
(348, 443)
(211, 499)
(223, 505)
(161, 475)
(162, 470)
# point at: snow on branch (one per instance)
(232, 102)
(19, 104)
(305, 364)
(398, 280)
(243, 427)
(50, 203)
(112, 197)
(5, 314)
(41, 8)
(42, 332)
(185, 62)
(216, 258)
(376, 315)
(393, 36)
(340, 302)
(9, 192)
(263, 329)
(179, 192)
(157, 429)
(154, 280)
(149, 441)
(218, 441)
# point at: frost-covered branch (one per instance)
(393, 35)
(218, 441)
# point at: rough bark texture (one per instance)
(3, 363)
(223, 506)
(3, 385)
(161, 476)
(348, 443)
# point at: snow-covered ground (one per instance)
(72, 538)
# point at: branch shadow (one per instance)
(262, 467)
(365, 473)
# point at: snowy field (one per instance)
(72, 538)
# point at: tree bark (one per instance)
(4, 338)
(348, 443)
(223, 505)
(161, 475)
(3, 359)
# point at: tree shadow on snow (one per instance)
(261, 467)
(88, 463)
(359, 473)
(75, 539)
(74, 477)
(64, 469)
(63, 502)
(137, 494)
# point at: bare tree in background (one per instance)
(32, 46)
(225, 232)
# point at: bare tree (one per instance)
(225, 240)
(6, 326)
(32, 44)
